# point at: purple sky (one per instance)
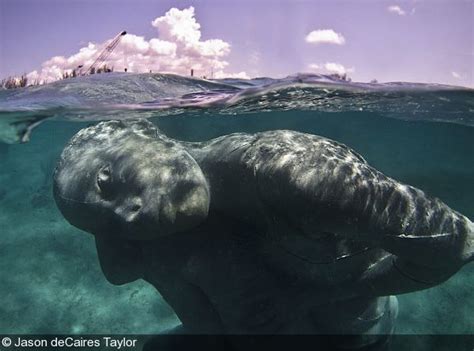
(431, 42)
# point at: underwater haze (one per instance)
(419, 134)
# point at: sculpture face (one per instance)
(124, 179)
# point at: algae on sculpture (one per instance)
(232, 231)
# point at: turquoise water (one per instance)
(51, 279)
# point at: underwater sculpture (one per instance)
(274, 232)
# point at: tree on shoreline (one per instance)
(22, 81)
(14, 82)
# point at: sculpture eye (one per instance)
(104, 181)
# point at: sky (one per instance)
(412, 40)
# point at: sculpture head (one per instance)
(125, 178)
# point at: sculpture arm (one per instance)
(319, 185)
(393, 275)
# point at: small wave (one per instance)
(122, 95)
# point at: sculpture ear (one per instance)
(121, 260)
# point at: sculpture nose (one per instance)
(129, 210)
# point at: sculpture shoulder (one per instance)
(295, 159)
(283, 145)
(275, 147)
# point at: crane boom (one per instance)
(106, 52)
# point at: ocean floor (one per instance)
(51, 279)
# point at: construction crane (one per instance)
(105, 53)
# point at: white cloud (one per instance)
(396, 9)
(178, 24)
(177, 48)
(455, 75)
(337, 68)
(330, 67)
(162, 47)
(325, 36)
(240, 75)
